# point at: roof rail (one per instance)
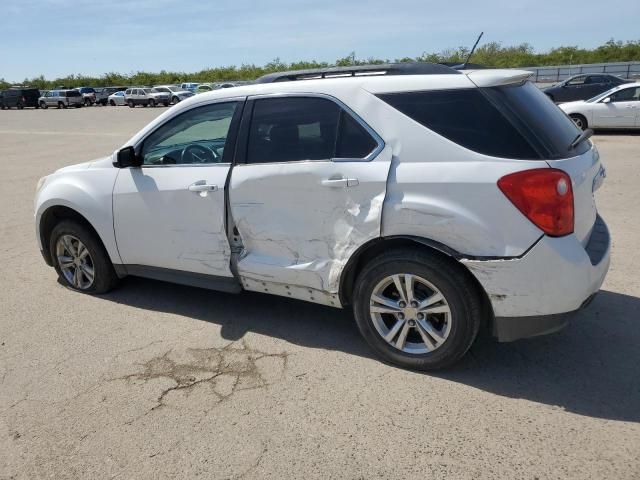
(408, 68)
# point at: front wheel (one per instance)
(80, 259)
(417, 310)
(579, 120)
(131, 104)
(112, 103)
(152, 103)
(43, 105)
(175, 100)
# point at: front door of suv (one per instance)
(170, 212)
(307, 190)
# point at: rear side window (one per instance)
(465, 117)
(290, 129)
(515, 121)
(353, 140)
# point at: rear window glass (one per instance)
(509, 121)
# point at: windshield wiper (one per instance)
(581, 138)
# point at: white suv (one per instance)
(434, 202)
(146, 97)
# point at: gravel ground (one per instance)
(160, 381)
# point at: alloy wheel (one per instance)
(410, 313)
(75, 262)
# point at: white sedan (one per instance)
(117, 99)
(615, 108)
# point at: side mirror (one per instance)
(607, 100)
(127, 157)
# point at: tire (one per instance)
(43, 105)
(152, 102)
(61, 105)
(175, 100)
(579, 120)
(449, 332)
(131, 104)
(166, 104)
(97, 259)
(87, 102)
(112, 103)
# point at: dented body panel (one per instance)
(299, 231)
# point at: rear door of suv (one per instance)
(306, 190)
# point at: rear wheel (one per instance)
(80, 259)
(579, 120)
(417, 310)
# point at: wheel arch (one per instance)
(378, 245)
(54, 215)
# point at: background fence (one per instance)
(630, 70)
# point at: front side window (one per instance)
(197, 136)
(577, 81)
(626, 95)
(290, 129)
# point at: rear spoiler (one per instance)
(495, 78)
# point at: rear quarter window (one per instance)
(514, 121)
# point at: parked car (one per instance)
(615, 108)
(103, 93)
(61, 99)
(432, 201)
(582, 87)
(146, 97)
(117, 99)
(19, 97)
(204, 87)
(189, 86)
(176, 94)
(88, 95)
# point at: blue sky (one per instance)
(58, 37)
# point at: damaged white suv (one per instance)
(433, 201)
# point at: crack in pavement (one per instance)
(209, 366)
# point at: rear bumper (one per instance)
(508, 329)
(536, 293)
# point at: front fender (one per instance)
(87, 191)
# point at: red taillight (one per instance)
(544, 196)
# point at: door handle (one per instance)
(340, 182)
(202, 187)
